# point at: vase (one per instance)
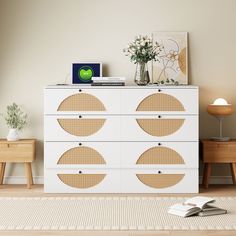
(141, 74)
(13, 135)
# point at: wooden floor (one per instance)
(37, 191)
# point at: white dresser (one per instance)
(128, 139)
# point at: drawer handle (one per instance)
(80, 90)
(159, 116)
(80, 144)
(80, 172)
(80, 116)
(159, 172)
(159, 144)
(159, 90)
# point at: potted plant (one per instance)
(141, 51)
(15, 119)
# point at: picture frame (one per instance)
(172, 65)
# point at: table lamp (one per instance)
(220, 108)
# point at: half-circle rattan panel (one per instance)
(81, 102)
(160, 180)
(81, 127)
(81, 180)
(160, 156)
(160, 102)
(160, 127)
(81, 155)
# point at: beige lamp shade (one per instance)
(220, 107)
(220, 110)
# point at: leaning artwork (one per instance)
(171, 67)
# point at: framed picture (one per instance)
(82, 72)
(172, 65)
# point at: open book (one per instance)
(196, 205)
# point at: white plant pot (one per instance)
(13, 135)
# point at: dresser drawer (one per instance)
(82, 100)
(159, 100)
(17, 151)
(171, 155)
(81, 181)
(81, 128)
(159, 128)
(159, 181)
(91, 155)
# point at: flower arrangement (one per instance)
(142, 50)
(15, 118)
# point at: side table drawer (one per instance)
(17, 152)
(219, 152)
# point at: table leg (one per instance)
(233, 171)
(2, 171)
(28, 173)
(206, 174)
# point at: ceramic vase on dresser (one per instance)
(121, 139)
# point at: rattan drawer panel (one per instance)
(82, 100)
(71, 155)
(84, 128)
(159, 155)
(159, 181)
(165, 128)
(160, 100)
(160, 127)
(81, 127)
(82, 181)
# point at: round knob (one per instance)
(159, 116)
(80, 116)
(159, 172)
(159, 90)
(80, 90)
(80, 172)
(80, 144)
(159, 144)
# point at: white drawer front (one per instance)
(171, 155)
(169, 181)
(86, 128)
(89, 181)
(165, 128)
(91, 155)
(159, 100)
(82, 100)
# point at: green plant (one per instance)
(15, 118)
(143, 50)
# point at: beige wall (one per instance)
(39, 39)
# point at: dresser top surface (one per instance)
(88, 86)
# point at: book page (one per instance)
(199, 201)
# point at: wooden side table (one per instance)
(218, 152)
(22, 151)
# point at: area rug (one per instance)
(107, 213)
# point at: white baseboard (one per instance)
(21, 180)
(218, 180)
(39, 180)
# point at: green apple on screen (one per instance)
(86, 73)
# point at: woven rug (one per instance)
(107, 213)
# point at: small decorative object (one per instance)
(83, 72)
(141, 51)
(15, 120)
(220, 108)
(171, 68)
